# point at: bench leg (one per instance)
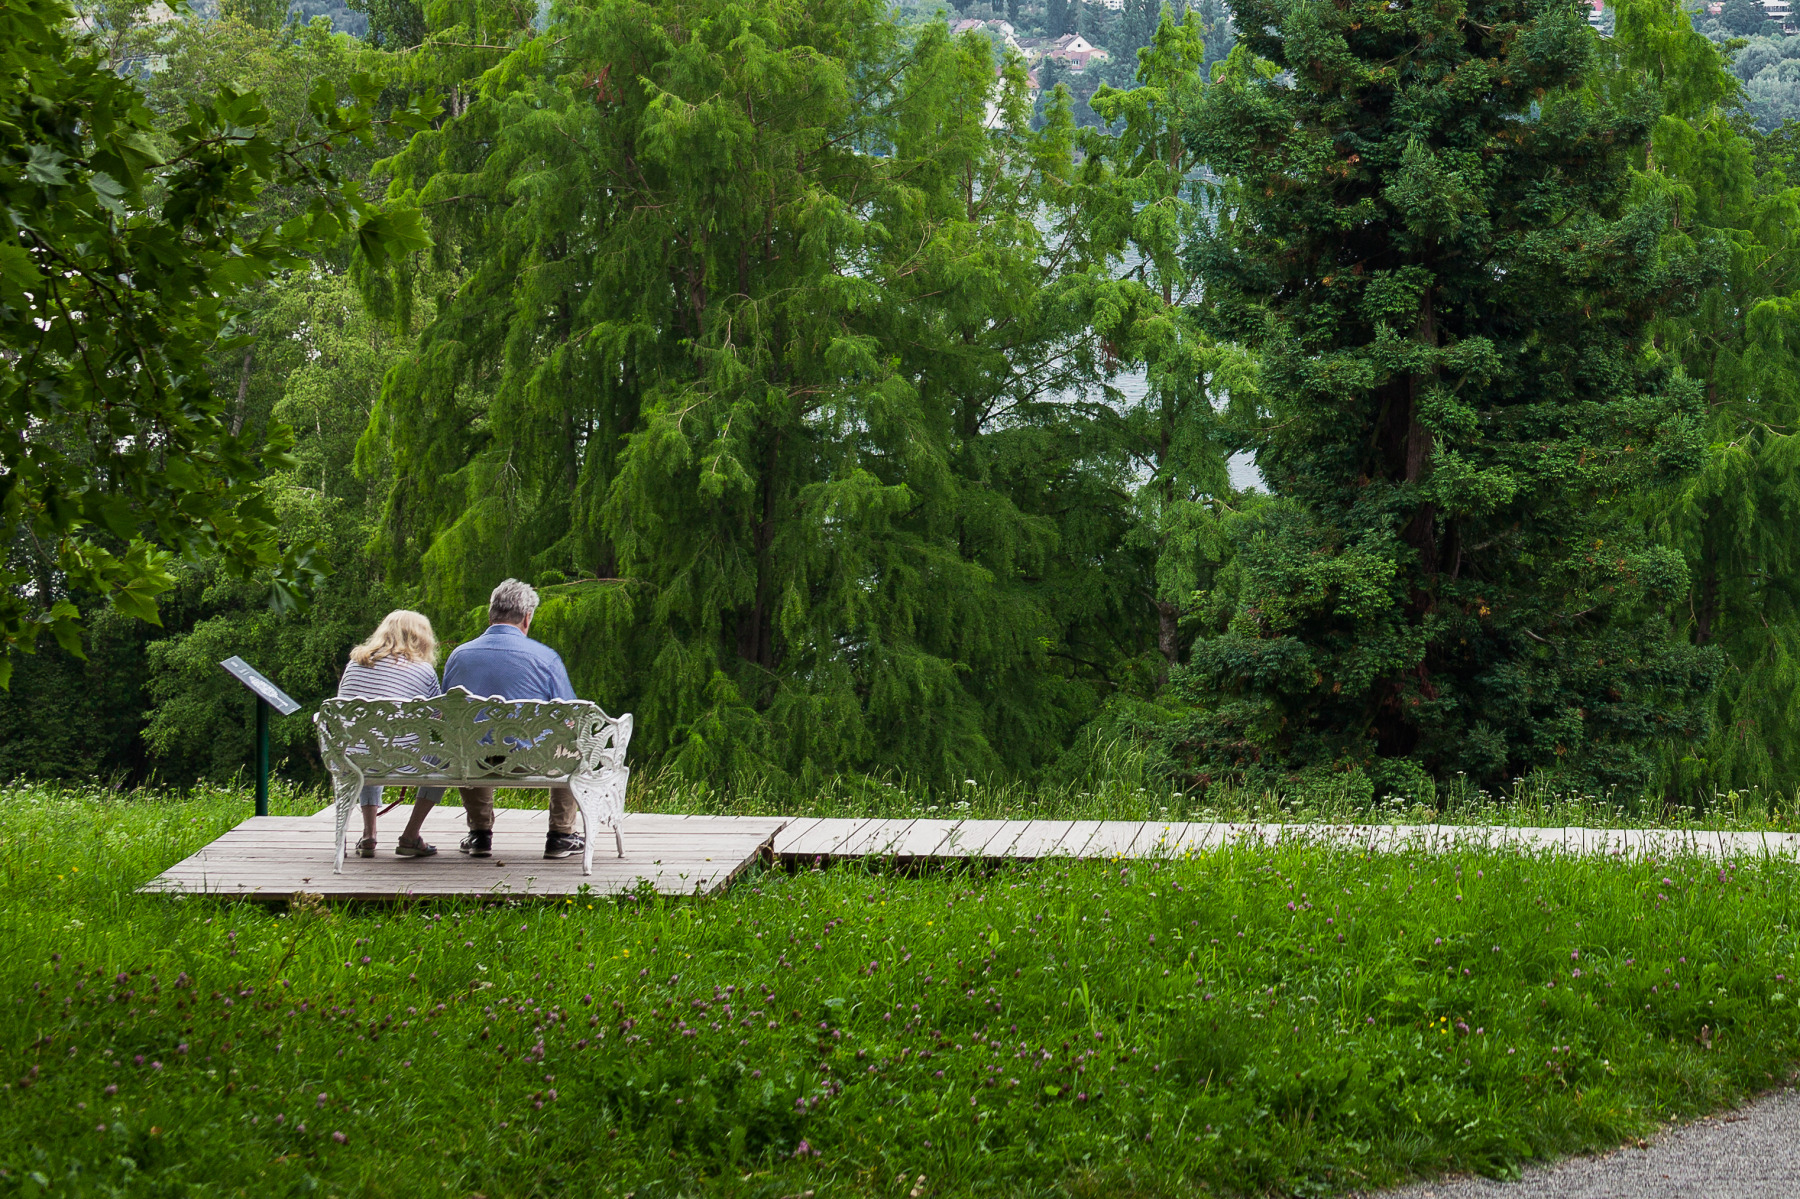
(616, 779)
(601, 799)
(587, 829)
(347, 789)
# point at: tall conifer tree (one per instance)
(756, 349)
(1729, 191)
(1429, 233)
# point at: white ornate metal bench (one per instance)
(462, 740)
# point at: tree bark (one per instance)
(1168, 638)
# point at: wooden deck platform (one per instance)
(276, 857)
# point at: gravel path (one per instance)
(1751, 1152)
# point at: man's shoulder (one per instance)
(542, 650)
(478, 644)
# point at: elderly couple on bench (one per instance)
(396, 663)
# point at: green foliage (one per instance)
(80, 717)
(1761, 56)
(785, 424)
(393, 24)
(129, 255)
(1743, 17)
(1174, 438)
(155, 701)
(329, 357)
(1772, 95)
(1449, 282)
(259, 14)
(1729, 189)
(1262, 1020)
(860, 425)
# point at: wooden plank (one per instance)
(1202, 836)
(793, 833)
(824, 838)
(924, 838)
(828, 834)
(1039, 837)
(465, 868)
(1159, 839)
(1005, 842)
(680, 885)
(1075, 840)
(967, 838)
(1112, 840)
(679, 877)
(688, 826)
(875, 839)
(515, 843)
(1195, 837)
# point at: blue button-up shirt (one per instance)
(503, 661)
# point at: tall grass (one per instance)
(1121, 789)
(1256, 1020)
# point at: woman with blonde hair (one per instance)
(395, 663)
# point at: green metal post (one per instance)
(262, 758)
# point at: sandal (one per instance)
(365, 847)
(419, 850)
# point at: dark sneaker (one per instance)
(561, 845)
(479, 843)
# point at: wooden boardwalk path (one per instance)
(276, 857)
(1023, 840)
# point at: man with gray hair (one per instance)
(505, 662)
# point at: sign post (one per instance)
(268, 695)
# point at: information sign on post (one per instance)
(268, 695)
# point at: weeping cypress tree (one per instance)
(1429, 233)
(1733, 520)
(1175, 437)
(750, 364)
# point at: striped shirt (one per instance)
(389, 678)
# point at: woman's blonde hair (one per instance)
(401, 634)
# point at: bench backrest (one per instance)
(462, 738)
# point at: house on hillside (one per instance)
(1075, 51)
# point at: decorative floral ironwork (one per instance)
(463, 740)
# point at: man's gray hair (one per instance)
(513, 602)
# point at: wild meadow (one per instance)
(1254, 1021)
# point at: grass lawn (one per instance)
(1255, 1020)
